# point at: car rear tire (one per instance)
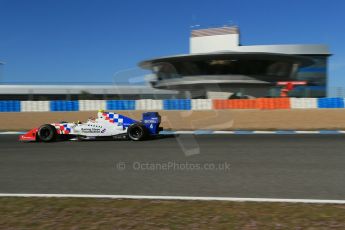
(137, 132)
(47, 133)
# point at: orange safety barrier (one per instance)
(234, 104)
(273, 103)
(259, 103)
(242, 104)
(220, 104)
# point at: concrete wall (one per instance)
(214, 43)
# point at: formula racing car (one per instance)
(107, 124)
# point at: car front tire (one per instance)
(47, 133)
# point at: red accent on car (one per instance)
(29, 136)
(291, 82)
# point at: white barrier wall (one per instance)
(167, 104)
(201, 104)
(35, 106)
(92, 105)
(303, 103)
(148, 104)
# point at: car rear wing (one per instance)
(152, 120)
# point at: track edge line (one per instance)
(190, 198)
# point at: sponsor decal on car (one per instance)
(91, 130)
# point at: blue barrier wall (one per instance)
(177, 104)
(64, 106)
(324, 103)
(121, 105)
(9, 106)
(168, 104)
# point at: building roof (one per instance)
(215, 31)
(303, 61)
(77, 89)
(209, 80)
(294, 49)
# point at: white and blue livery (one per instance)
(107, 124)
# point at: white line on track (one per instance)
(249, 132)
(223, 132)
(235, 199)
(264, 132)
(10, 132)
(183, 132)
(307, 132)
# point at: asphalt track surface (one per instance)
(257, 166)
